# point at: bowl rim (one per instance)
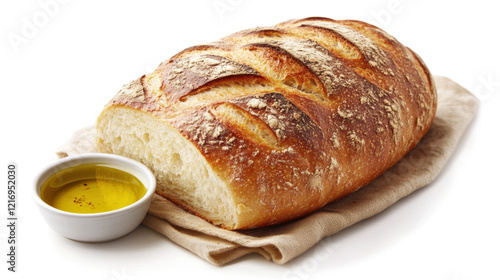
(119, 162)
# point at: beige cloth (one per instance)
(282, 243)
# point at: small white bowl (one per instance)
(97, 227)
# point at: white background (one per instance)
(60, 63)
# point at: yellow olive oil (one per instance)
(91, 188)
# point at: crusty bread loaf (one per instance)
(269, 124)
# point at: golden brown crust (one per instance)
(319, 108)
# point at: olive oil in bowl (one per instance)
(91, 188)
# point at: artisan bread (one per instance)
(270, 124)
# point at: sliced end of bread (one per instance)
(183, 175)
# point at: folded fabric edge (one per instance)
(222, 251)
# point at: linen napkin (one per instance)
(282, 243)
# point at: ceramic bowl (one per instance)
(96, 227)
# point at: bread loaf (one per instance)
(270, 124)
